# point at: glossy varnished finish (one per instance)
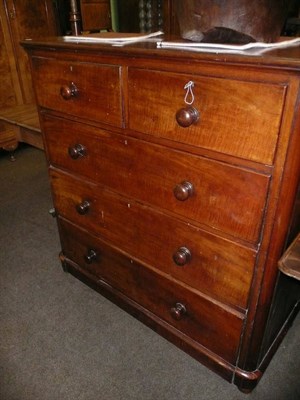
(231, 120)
(27, 19)
(70, 87)
(95, 14)
(204, 320)
(178, 212)
(21, 124)
(209, 18)
(144, 170)
(289, 264)
(126, 223)
(20, 19)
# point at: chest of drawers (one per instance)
(174, 179)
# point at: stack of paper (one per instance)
(249, 48)
(113, 38)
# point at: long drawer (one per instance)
(236, 117)
(88, 90)
(163, 177)
(210, 324)
(215, 266)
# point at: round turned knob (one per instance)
(68, 91)
(178, 311)
(90, 256)
(83, 207)
(76, 151)
(182, 191)
(182, 256)
(187, 116)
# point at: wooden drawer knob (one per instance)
(182, 256)
(178, 311)
(77, 151)
(187, 116)
(83, 207)
(67, 92)
(90, 256)
(182, 191)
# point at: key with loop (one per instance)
(189, 96)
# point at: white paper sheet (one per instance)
(113, 38)
(249, 48)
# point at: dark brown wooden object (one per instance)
(19, 20)
(95, 15)
(224, 21)
(181, 224)
(289, 263)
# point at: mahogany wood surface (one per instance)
(25, 115)
(231, 119)
(260, 20)
(204, 320)
(10, 93)
(19, 20)
(289, 264)
(95, 14)
(20, 123)
(99, 98)
(182, 226)
(226, 266)
(28, 19)
(144, 171)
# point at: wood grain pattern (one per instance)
(212, 246)
(99, 91)
(95, 14)
(289, 264)
(145, 172)
(20, 123)
(10, 93)
(218, 267)
(232, 119)
(205, 320)
(24, 115)
(260, 20)
(27, 20)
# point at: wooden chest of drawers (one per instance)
(174, 179)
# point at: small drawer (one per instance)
(215, 327)
(230, 119)
(85, 90)
(220, 268)
(161, 177)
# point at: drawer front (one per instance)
(215, 266)
(208, 323)
(235, 117)
(224, 197)
(84, 90)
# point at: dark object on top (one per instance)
(231, 21)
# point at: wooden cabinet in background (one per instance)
(19, 20)
(95, 14)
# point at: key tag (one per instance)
(189, 95)
(188, 115)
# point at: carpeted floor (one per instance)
(59, 340)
